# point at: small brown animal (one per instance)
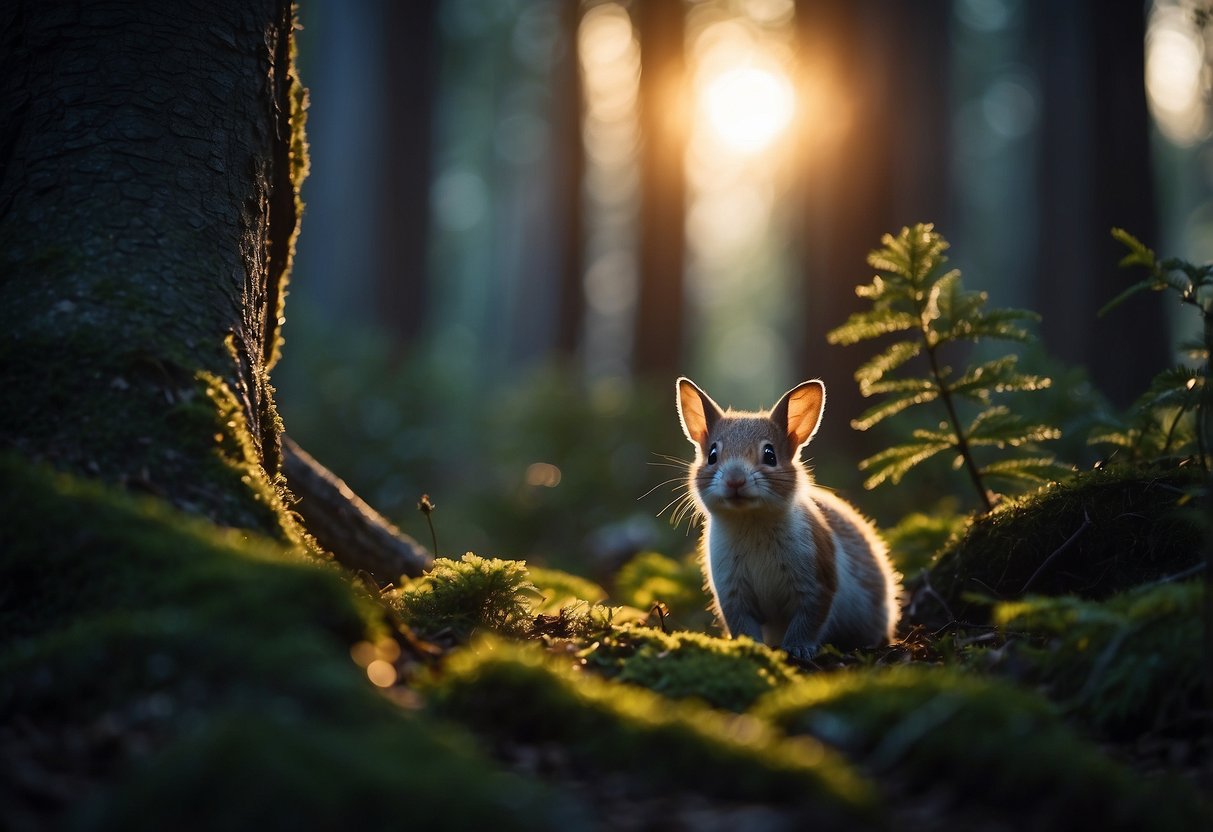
(788, 563)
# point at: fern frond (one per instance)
(891, 464)
(950, 302)
(998, 427)
(887, 361)
(914, 293)
(1139, 254)
(891, 407)
(998, 324)
(997, 376)
(1033, 470)
(874, 290)
(1139, 286)
(1117, 436)
(863, 326)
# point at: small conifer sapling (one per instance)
(928, 309)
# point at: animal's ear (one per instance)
(799, 412)
(696, 411)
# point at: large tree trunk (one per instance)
(150, 158)
(875, 159)
(1095, 172)
(147, 215)
(409, 77)
(659, 313)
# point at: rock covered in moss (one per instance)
(1102, 533)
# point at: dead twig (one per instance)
(1086, 524)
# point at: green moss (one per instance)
(679, 584)
(730, 674)
(300, 164)
(1127, 528)
(73, 548)
(247, 771)
(560, 589)
(184, 675)
(462, 596)
(1130, 663)
(122, 416)
(516, 695)
(985, 744)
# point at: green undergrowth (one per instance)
(723, 673)
(558, 589)
(650, 578)
(1133, 662)
(521, 698)
(463, 596)
(976, 744)
(182, 675)
(458, 599)
(1101, 533)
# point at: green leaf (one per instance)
(998, 427)
(997, 376)
(1123, 437)
(891, 464)
(893, 406)
(1035, 470)
(863, 326)
(1174, 387)
(999, 324)
(1139, 254)
(914, 293)
(888, 360)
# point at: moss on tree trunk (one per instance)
(149, 166)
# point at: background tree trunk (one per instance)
(409, 77)
(1095, 173)
(876, 159)
(659, 313)
(568, 198)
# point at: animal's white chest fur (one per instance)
(762, 560)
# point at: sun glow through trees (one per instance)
(748, 107)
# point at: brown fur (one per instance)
(786, 562)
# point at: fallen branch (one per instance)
(360, 538)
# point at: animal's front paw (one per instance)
(801, 652)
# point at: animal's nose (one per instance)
(734, 481)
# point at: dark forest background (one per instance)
(519, 230)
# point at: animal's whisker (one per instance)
(683, 462)
(679, 483)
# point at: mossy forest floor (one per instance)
(159, 672)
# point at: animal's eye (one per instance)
(768, 455)
(712, 455)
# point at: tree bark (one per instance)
(568, 197)
(147, 218)
(1094, 173)
(875, 159)
(410, 73)
(659, 314)
(360, 538)
(150, 159)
